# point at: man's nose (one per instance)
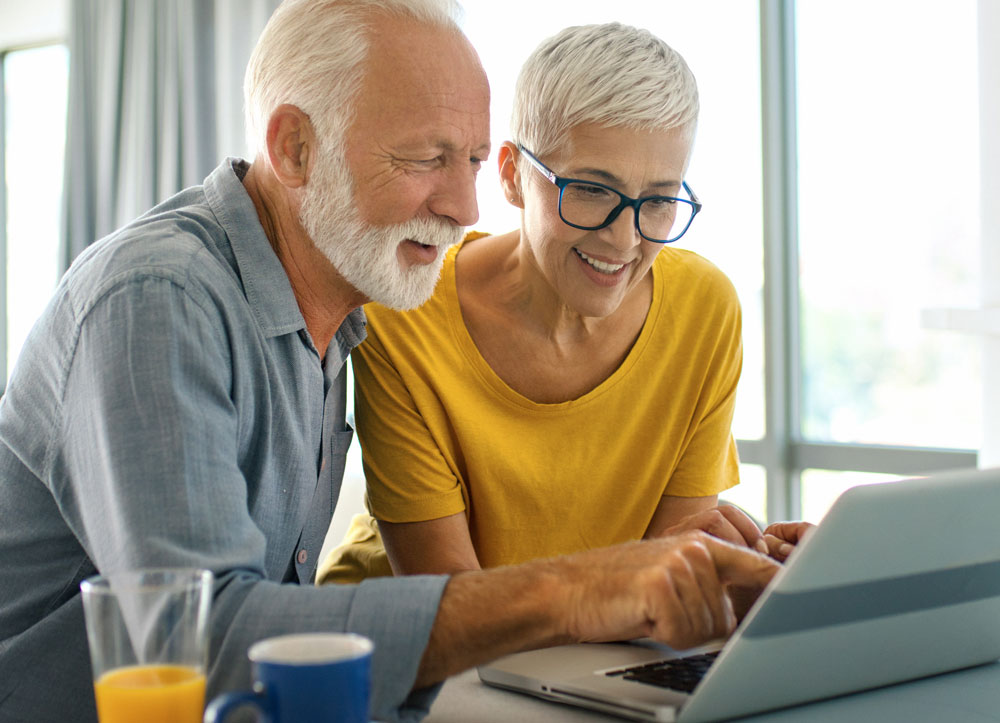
(455, 197)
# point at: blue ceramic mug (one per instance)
(306, 677)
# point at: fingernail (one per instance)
(761, 546)
(786, 549)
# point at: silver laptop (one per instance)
(900, 580)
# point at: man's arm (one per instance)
(671, 589)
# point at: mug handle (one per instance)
(221, 705)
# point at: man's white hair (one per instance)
(611, 75)
(311, 54)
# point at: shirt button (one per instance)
(302, 556)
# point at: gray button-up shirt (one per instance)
(170, 409)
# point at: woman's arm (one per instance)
(672, 509)
(432, 547)
(674, 515)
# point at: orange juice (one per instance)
(151, 694)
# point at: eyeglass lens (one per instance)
(583, 204)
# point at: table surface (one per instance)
(966, 696)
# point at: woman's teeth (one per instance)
(601, 266)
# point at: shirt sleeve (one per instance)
(152, 479)
(409, 478)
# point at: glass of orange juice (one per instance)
(148, 632)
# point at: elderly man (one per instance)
(181, 401)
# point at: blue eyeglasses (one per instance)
(589, 205)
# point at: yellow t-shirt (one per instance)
(441, 433)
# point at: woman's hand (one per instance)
(782, 537)
(731, 524)
(726, 522)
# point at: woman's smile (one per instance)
(602, 266)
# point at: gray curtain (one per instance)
(154, 103)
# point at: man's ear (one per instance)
(507, 161)
(291, 143)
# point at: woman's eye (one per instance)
(585, 191)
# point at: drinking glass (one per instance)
(147, 631)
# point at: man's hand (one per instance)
(672, 589)
(731, 524)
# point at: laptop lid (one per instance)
(900, 580)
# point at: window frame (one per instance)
(38, 24)
(4, 330)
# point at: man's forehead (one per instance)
(415, 58)
(424, 86)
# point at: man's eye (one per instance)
(422, 162)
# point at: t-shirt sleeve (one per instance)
(709, 463)
(408, 476)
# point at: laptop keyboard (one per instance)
(681, 674)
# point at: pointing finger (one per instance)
(740, 566)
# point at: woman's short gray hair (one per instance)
(612, 75)
(310, 55)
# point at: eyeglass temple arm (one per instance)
(537, 163)
(694, 198)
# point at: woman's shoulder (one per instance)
(473, 236)
(682, 264)
(693, 286)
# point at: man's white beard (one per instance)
(366, 255)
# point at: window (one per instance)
(888, 221)
(33, 126)
(887, 226)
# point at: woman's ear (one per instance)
(510, 178)
(290, 145)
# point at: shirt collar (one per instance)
(265, 283)
(268, 291)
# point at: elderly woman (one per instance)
(572, 382)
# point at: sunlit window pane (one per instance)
(35, 83)
(888, 172)
(726, 166)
